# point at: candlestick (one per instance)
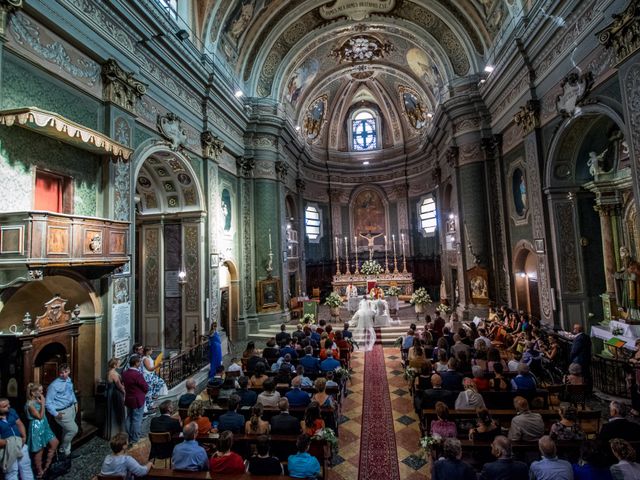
(404, 257)
(355, 245)
(395, 258)
(346, 255)
(386, 251)
(270, 249)
(337, 259)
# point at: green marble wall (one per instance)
(22, 150)
(26, 86)
(266, 217)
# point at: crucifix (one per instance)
(370, 237)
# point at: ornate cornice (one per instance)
(211, 145)
(528, 117)
(170, 127)
(575, 89)
(452, 155)
(246, 165)
(623, 34)
(6, 8)
(120, 87)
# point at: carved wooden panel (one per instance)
(58, 240)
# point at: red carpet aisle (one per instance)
(378, 454)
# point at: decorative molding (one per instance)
(528, 117)
(7, 7)
(300, 185)
(281, 170)
(212, 146)
(120, 87)
(623, 34)
(452, 156)
(170, 127)
(361, 48)
(122, 191)
(575, 89)
(567, 247)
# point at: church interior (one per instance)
(430, 187)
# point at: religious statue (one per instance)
(595, 163)
(239, 24)
(370, 238)
(627, 285)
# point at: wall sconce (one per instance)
(182, 35)
(182, 276)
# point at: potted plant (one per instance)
(392, 298)
(334, 302)
(308, 319)
(420, 299)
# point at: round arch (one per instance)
(229, 298)
(525, 275)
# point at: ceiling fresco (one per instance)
(314, 56)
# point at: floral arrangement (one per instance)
(443, 309)
(393, 291)
(371, 267)
(617, 331)
(429, 444)
(308, 319)
(333, 300)
(342, 373)
(329, 435)
(420, 297)
(353, 343)
(398, 342)
(410, 373)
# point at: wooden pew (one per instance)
(165, 473)
(589, 420)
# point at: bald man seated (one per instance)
(429, 397)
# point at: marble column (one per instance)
(608, 253)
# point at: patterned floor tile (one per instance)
(400, 392)
(414, 462)
(396, 372)
(405, 420)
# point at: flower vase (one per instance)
(393, 303)
(419, 308)
(335, 312)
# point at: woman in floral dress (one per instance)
(157, 386)
(40, 433)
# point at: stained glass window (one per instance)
(364, 132)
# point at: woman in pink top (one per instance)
(443, 426)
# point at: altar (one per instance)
(404, 281)
(623, 331)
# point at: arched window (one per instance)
(364, 131)
(312, 222)
(427, 215)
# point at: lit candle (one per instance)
(385, 242)
(402, 242)
(269, 239)
(346, 248)
(355, 244)
(336, 245)
(393, 242)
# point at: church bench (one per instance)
(166, 473)
(589, 420)
(328, 414)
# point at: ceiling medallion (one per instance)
(361, 48)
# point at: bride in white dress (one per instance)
(362, 322)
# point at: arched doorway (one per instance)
(229, 298)
(169, 212)
(293, 248)
(588, 185)
(526, 281)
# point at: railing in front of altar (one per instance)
(610, 375)
(180, 367)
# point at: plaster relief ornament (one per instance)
(362, 48)
(575, 88)
(355, 10)
(314, 118)
(170, 126)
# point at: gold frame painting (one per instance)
(269, 294)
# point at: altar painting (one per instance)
(369, 213)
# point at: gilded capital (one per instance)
(119, 86)
(211, 145)
(528, 117)
(623, 34)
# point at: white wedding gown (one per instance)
(362, 324)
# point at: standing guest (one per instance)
(626, 468)
(187, 399)
(62, 405)
(248, 398)
(189, 455)
(262, 463)
(135, 391)
(312, 420)
(438, 324)
(581, 351)
(550, 467)
(137, 349)
(526, 425)
(505, 467)
(451, 466)
(469, 398)
(303, 465)
(269, 396)
(296, 397)
(567, 427)
(224, 461)
(284, 423)
(283, 337)
(115, 400)
(13, 441)
(119, 463)
(591, 465)
(215, 348)
(487, 428)
(346, 333)
(232, 420)
(157, 386)
(40, 434)
(255, 425)
(165, 422)
(443, 426)
(196, 415)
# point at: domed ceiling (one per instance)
(322, 59)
